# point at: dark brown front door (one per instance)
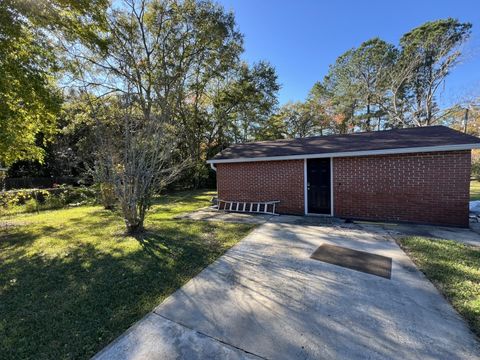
(318, 186)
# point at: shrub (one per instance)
(17, 198)
(31, 205)
(33, 199)
(107, 196)
(54, 202)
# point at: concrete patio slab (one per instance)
(210, 214)
(266, 297)
(466, 236)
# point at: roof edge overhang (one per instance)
(407, 150)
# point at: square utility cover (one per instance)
(354, 259)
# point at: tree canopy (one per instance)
(380, 85)
(30, 100)
(166, 86)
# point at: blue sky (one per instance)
(302, 37)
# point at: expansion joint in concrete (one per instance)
(211, 337)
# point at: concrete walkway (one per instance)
(266, 299)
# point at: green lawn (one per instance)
(70, 282)
(474, 190)
(454, 268)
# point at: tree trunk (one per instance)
(133, 229)
(466, 121)
(134, 218)
(367, 127)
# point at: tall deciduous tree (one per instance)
(355, 86)
(299, 120)
(343, 93)
(378, 85)
(159, 57)
(29, 98)
(434, 48)
(464, 116)
(231, 107)
(243, 103)
(370, 66)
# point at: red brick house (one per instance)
(419, 175)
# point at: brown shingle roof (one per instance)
(418, 137)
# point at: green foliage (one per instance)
(30, 200)
(435, 39)
(464, 116)
(370, 68)
(31, 205)
(20, 197)
(186, 57)
(274, 128)
(69, 20)
(107, 196)
(244, 103)
(189, 96)
(379, 85)
(434, 48)
(294, 120)
(29, 63)
(29, 101)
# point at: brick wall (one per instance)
(428, 188)
(263, 181)
(423, 187)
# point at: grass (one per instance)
(474, 190)
(70, 282)
(454, 268)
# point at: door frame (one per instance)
(305, 190)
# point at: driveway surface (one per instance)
(266, 299)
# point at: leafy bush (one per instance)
(107, 196)
(20, 197)
(54, 202)
(30, 200)
(76, 195)
(31, 205)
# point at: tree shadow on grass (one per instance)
(72, 305)
(15, 237)
(187, 240)
(154, 244)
